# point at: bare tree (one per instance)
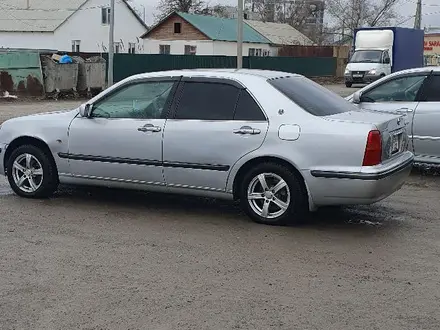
(303, 15)
(347, 15)
(166, 7)
(218, 11)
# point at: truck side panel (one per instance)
(408, 49)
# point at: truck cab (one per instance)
(367, 65)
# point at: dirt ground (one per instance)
(108, 259)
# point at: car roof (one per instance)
(418, 70)
(218, 73)
(425, 69)
(244, 76)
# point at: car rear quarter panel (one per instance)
(322, 144)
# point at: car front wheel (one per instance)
(272, 194)
(31, 173)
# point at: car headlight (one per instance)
(372, 71)
(347, 71)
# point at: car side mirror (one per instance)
(84, 110)
(357, 97)
(387, 61)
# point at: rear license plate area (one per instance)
(396, 143)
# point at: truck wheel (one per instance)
(348, 84)
(31, 173)
(271, 194)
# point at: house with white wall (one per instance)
(280, 34)
(69, 25)
(191, 34)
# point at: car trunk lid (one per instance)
(392, 128)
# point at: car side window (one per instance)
(207, 101)
(146, 100)
(386, 56)
(247, 109)
(431, 90)
(403, 89)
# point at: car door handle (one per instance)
(149, 128)
(404, 110)
(247, 130)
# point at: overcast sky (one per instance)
(431, 10)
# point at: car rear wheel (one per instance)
(31, 173)
(271, 194)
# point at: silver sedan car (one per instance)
(278, 142)
(414, 93)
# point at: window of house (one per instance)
(164, 49)
(118, 47)
(131, 48)
(257, 52)
(190, 50)
(145, 100)
(76, 46)
(207, 101)
(177, 27)
(105, 15)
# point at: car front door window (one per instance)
(145, 100)
(404, 89)
(431, 90)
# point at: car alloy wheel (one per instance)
(27, 173)
(32, 172)
(268, 195)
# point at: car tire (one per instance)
(348, 84)
(287, 205)
(31, 172)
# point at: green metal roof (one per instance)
(222, 29)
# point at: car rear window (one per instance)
(312, 97)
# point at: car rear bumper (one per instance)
(367, 186)
(2, 156)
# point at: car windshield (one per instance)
(312, 97)
(366, 56)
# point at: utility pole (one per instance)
(240, 35)
(418, 19)
(111, 44)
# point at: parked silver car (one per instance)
(278, 142)
(416, 94)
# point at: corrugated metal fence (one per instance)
(126, 65)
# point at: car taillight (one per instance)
(373, 150)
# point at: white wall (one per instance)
(85, 25)
(177, 47)
(28, 40)
(204, 47)
(230, 48)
